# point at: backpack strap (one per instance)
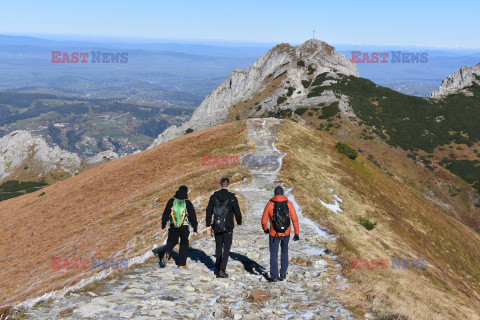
(271, 222)
(172, 216)
(184, 216)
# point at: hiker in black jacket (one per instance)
(178, 232)
(223, 223)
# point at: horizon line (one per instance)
(207, 41)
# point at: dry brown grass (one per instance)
(408, 227)
(110, 211)
(284, 47)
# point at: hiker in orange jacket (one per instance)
(279, 211)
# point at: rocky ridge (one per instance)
(283, 67)
(458, 82)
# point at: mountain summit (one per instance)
(280, 77)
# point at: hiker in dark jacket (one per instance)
(222, 228)
(180, 212)
(279, 113)
(278, 237)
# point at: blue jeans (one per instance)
(274, 242)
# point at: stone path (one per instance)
(194, 293)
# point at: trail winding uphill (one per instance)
(194, 293)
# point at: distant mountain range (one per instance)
(193, 70)
(196, 68)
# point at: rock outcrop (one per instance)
(277, 73)
(102, 157)
(458, 82)
(24, 155)
(27, 157)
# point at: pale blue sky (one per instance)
(402, 22)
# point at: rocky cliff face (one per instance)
(257, 89)
(23, 156)
(458, 82)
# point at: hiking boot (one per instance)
(222, 274)
(272, 280)
(163, 259)
(283, 277)
(184, 267)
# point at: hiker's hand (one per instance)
(164, 229)
(195, 233)
(209, 230)
(296, 237)
(266, 231)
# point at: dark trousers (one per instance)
(174, 234)
(223, 243)
(274, 242)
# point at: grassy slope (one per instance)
(112, 210)
(443, 188)
(390, 123)
(408, 227)
(424, 127)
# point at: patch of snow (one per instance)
(335, 207)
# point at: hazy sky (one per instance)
(402, 22)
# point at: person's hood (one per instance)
(182, 193)
(279, 198)
(223, 194)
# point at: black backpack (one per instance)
(220, 216)
(281, 217)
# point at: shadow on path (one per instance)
(193, 254)
(250, 266)
(201, 256)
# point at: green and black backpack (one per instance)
(179, 213)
